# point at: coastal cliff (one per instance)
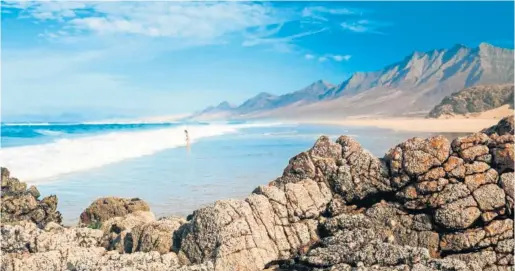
(428, 204)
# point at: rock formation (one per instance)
(428, 204)
(20, 203)
(104, 208)
(411, 86)
(474, 100)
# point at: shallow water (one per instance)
(175, 181)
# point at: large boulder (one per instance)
(103, 209)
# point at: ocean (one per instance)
(80, 162)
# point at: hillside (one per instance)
(265, 102)
(475, 99)
(412, 86)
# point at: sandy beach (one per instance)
(414, 124)
(445, 124)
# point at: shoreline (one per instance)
(454, 125)
(318, 203)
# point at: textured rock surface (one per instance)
(429, 204)
(474, 100)
(105, 208)
(19, 203)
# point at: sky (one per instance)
(93, 60)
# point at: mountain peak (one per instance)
(224, 105)
(264, 95)
(485, 45)
(458, 46)
(321, 83)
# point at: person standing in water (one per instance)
(187, 139)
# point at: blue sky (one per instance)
(101, 59)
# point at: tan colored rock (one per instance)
(105, 208)
(157, 235)
(462, 240)
(118, 231)
(415, 157)
(476, 167)
(506, 182)
(470, 154)
(489, 197)
(504, 157)
(474, 181)
(459, 214)
(462, 143)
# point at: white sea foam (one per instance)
(26, 124)
(39, 162)
(49, 132)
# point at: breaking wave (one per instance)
(66, 155)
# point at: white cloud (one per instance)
(200, 20)
(341, 57)
(281, 40)
(185, 22)
(307, 11)
(363, 26)
(55, 10)
(320, 12)
(326, 57)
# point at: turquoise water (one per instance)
(173, 180)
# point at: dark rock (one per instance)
(105, 208)
(504, 127)
(474, 100)
(19, 204)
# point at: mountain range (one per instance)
(410, 87)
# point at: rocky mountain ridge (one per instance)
(266, 101)
(415, 84)
(428, 204)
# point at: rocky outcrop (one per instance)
(474, 100)
(428, 204)
(105, 208)
(27, 247)
(19, 203)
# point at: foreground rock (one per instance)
(105, 208)
(19, 203)
(429, 204)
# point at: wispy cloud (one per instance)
(364, 26)
(194, 20)
(280, 40)
(46, 10)
(321, 12)
(326, 57)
